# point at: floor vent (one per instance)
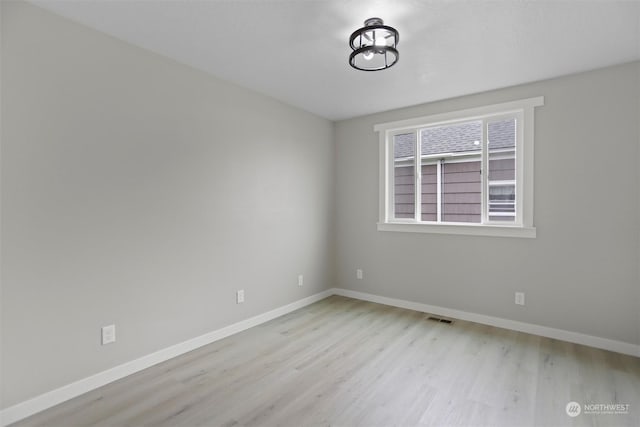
(441, 320)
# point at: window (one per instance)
(465, 172)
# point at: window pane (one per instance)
(457, 148)
(501, 194)
(404, 154)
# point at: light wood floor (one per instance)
(352, 363)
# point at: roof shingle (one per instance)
(457, 138)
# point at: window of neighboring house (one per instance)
(432, 177)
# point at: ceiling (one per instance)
(297, 50)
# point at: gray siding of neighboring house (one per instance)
(502, 170)
(429, 193)
(460, 196)
(462, 189)
(404, 192)
(461, 192)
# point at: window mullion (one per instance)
(390, 178)
(519, 164)
(439, 191)
(484, 173)
(418, 178)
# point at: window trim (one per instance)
(524, 110)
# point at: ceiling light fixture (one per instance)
(374, 46)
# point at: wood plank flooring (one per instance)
(347, 362)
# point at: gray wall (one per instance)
(140, 192)
(579, 274)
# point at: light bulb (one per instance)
(380, 41)
(368, 55)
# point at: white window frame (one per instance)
(522, 227)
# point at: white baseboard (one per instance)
(47, 400)
(544, 331)
(54, 397)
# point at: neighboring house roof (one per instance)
(457, 138)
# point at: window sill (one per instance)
(468, 229)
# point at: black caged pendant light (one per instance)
(374, 46)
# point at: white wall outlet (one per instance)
(300, 280)
(108, 334)
(240, 296)
(520, 298)
(359, 274)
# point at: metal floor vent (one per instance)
(440, 319)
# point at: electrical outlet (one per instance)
(240, 296)
(108, 334)
(520, 298)
(300, 280)
(359, 274)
